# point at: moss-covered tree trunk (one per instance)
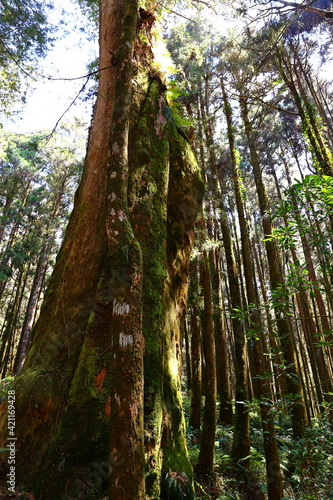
(111, 317)
(241, 440)
(322, 157)
(280, 297)
(241, 437)
(196, 348)
(204, 467)
(274, 476)
(225, 415)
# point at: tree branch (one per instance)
(270, 105)
(181, 15)
(320, 12)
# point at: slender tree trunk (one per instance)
(8, 360)
(277, 285)
(11, 317)
(280, 388)
(205, 463)
(274, 477)
(316, 353)
(31, 308)
(196, 390)
(317, 95)
(320, 156)
(220, 334)
(11, 238)
(222, 365)
(314, 119)
(4, 215)
(221, 345)
(241, 440)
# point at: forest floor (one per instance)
(307, 464)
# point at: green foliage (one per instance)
(174, 114)
(37, 183)
(308, 462)
(307, 206)
(285, 235)
(24, 31)
(6, 384)
(24, 37)
(316, 188)
(90, 8)
(177, 486)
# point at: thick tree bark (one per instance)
(116, 297)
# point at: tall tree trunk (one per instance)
(274, 476)
(205, 463)
(241, 440)
(241, 437)
(196, 389)
(221, 346)
(5, 211)
(31, 308)
(321, 158)
(8, 334)
(222, 364)
(6, 257)
(280, 386)
(280, 303)
(315, 348)
(139, 196)
(188, 356)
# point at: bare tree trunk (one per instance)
(221, 343)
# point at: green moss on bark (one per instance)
(64, 392)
